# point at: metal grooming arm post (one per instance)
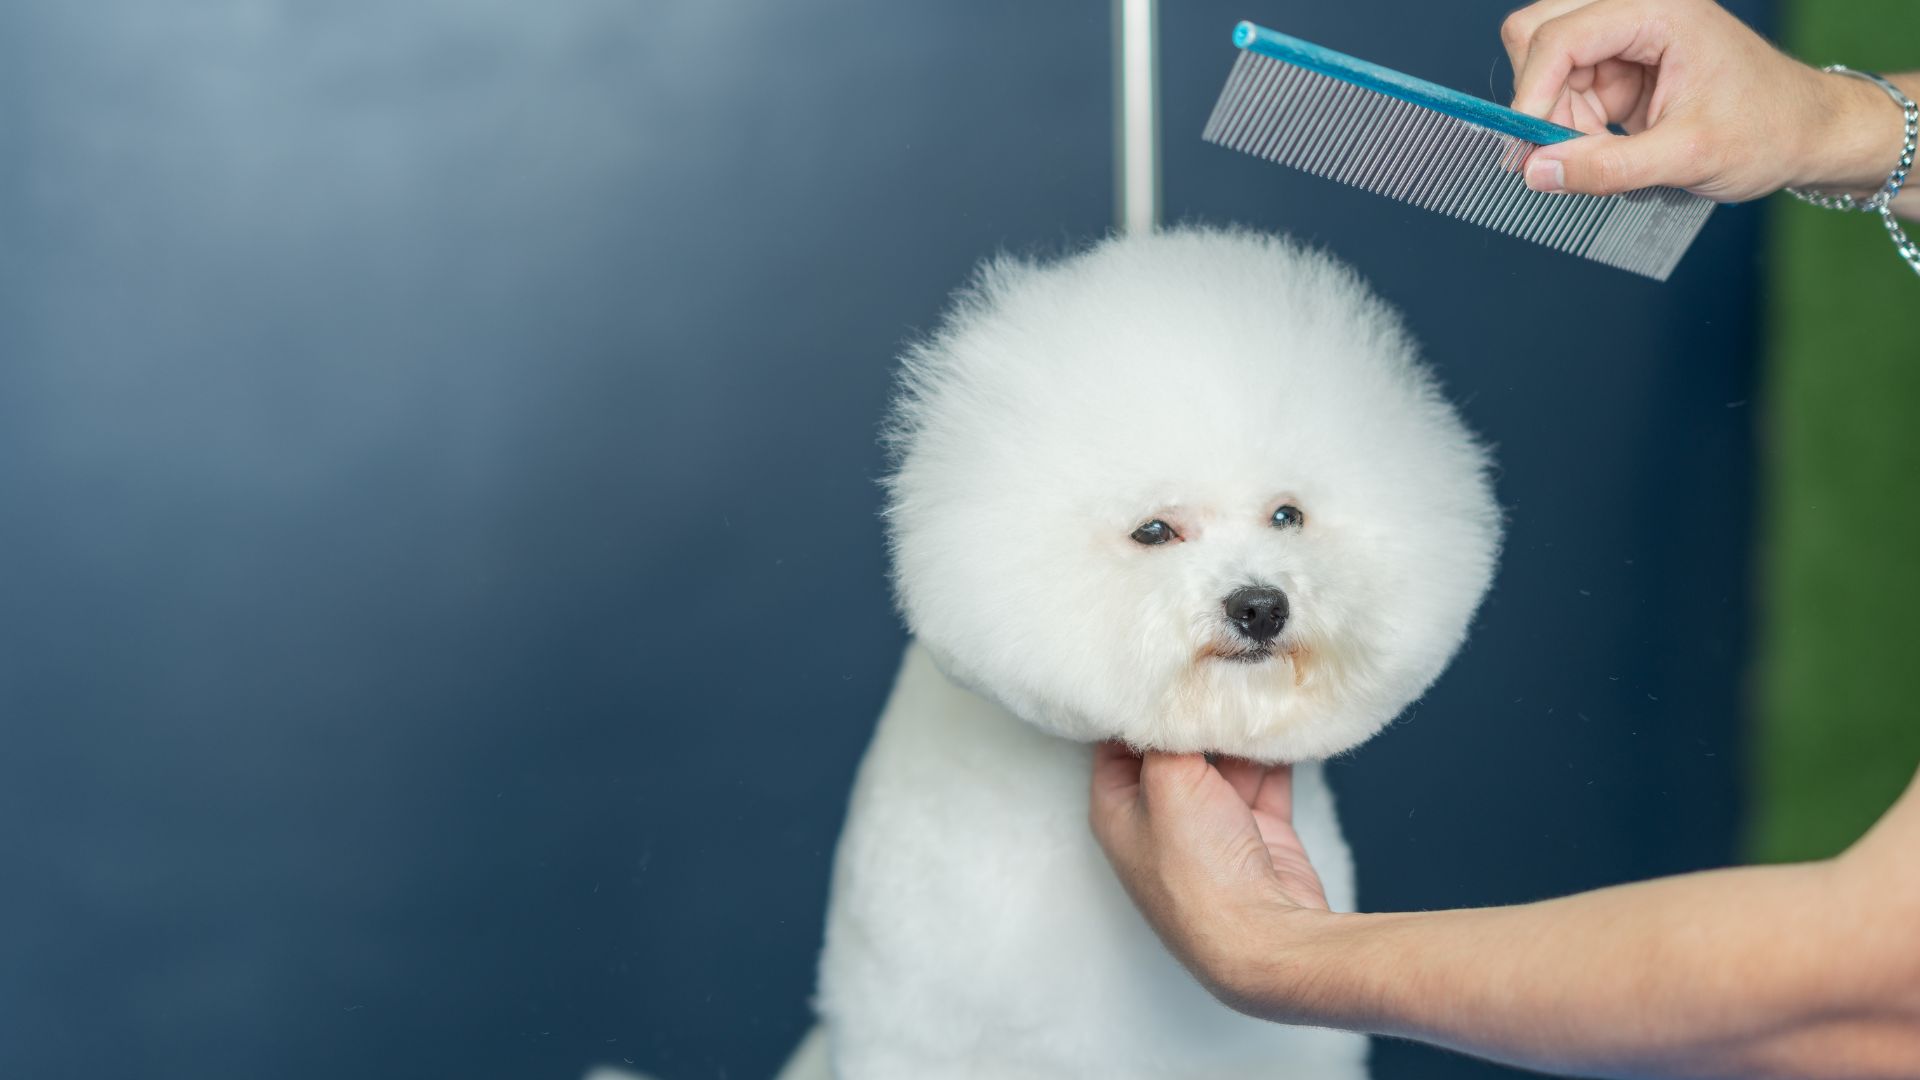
(1136, 114)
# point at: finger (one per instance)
(1562, 111)
(1594, 97)
(1244, 775)
(1516, 33)
(1589, 115)
(1584, 111)
(1640, 115)
(1276, 794)
(1609, 164)
(1168, 779)
(1610, 30)
(1116, 772)
(1619, 86)
(1115, 792)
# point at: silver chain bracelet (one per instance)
(1880, 202)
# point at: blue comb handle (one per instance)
(1395, 84)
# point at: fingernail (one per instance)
(1543, 175)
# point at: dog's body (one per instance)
(976, 930)
(1192, 491)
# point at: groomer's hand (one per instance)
(1707, 103)
(1207, 851)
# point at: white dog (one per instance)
(1193, 491)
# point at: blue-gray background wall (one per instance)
(441, 603)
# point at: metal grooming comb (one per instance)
(1381, 131)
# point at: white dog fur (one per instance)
(1199, 378)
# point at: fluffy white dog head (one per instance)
(1193, 491)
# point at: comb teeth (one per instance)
(1379, 143)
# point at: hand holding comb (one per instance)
(1383, 131)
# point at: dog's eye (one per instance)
(1288, 517)
(1154, 532)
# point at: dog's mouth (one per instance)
(1252, 654)
(1255, 653)
(1232, 652)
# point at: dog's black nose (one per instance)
(1258, 611)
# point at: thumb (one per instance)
(1606, 164)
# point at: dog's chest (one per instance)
(974, 919)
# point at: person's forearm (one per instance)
(1862, 144)
(1751, 973)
